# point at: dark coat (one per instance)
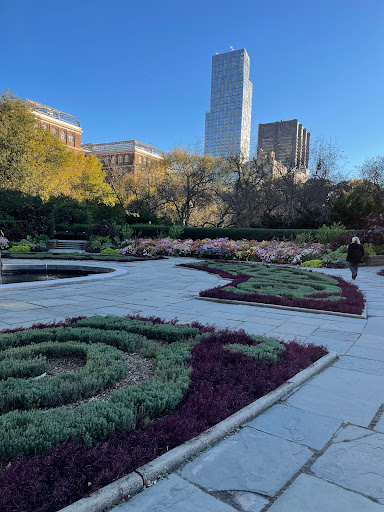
(355, 253)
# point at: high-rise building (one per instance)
(228, 124)
(288, 140)
(63, 126)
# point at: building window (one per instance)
(54, 131)
(140, 159)
(62, 135)
(113, 159)
(70, 137)
(126, 159)
(120, 159)
(45, 127)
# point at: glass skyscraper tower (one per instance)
(228, 124)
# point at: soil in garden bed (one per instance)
(59, 365)
(139, 369)
(221, 379)
(281, 286)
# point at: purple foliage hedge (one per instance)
(222, 382)
(353, 301)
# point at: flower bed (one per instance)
(201, 376)
(268, 252)
(283, 287)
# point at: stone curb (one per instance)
(109, 495)
(131, 484)
(363, 316)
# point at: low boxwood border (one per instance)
(353, 301)
(29, 432)
(104, 366)
(75, 256)
(221, 383)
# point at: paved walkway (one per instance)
(320, 450)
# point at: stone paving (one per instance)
(320, 450)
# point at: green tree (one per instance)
(17, 131)
(356, 200)
(37, 163)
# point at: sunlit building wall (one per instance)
(228, 123)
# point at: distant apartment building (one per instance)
(126, 156)
(267, 162)
(63, 126)
(228, 123)
(288, 140)
(273, 168)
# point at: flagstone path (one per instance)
(320, 450)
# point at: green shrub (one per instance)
(269, 349)
(304, 238)
(29, 432)
(379, 249)
(109, 250)
(327, 233)
(104, 366)
(312, 263)
(164, 332)
(20, 368)
(20, 248)
(26, 241)
(127, 232)
(175, 232)
(335, 256)
(369, 250)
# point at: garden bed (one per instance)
(80, 257)
(53, 453)
(282, 287)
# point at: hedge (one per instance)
(104, 366)
(29, 432)
(6, 225)
(151, 230)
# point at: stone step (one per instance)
(68, 244)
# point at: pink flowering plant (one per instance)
(244, 250)
(3, 242)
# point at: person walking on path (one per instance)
(355, 255)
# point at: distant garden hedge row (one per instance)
(194, 233)
(151, 230)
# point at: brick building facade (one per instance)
(64, 126)
(124, 155)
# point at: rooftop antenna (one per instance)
(232, 48)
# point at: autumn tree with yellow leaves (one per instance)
(37, 163)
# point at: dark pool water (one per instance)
(21, 277)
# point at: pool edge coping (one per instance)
(116, 272)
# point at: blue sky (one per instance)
(131, 70)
